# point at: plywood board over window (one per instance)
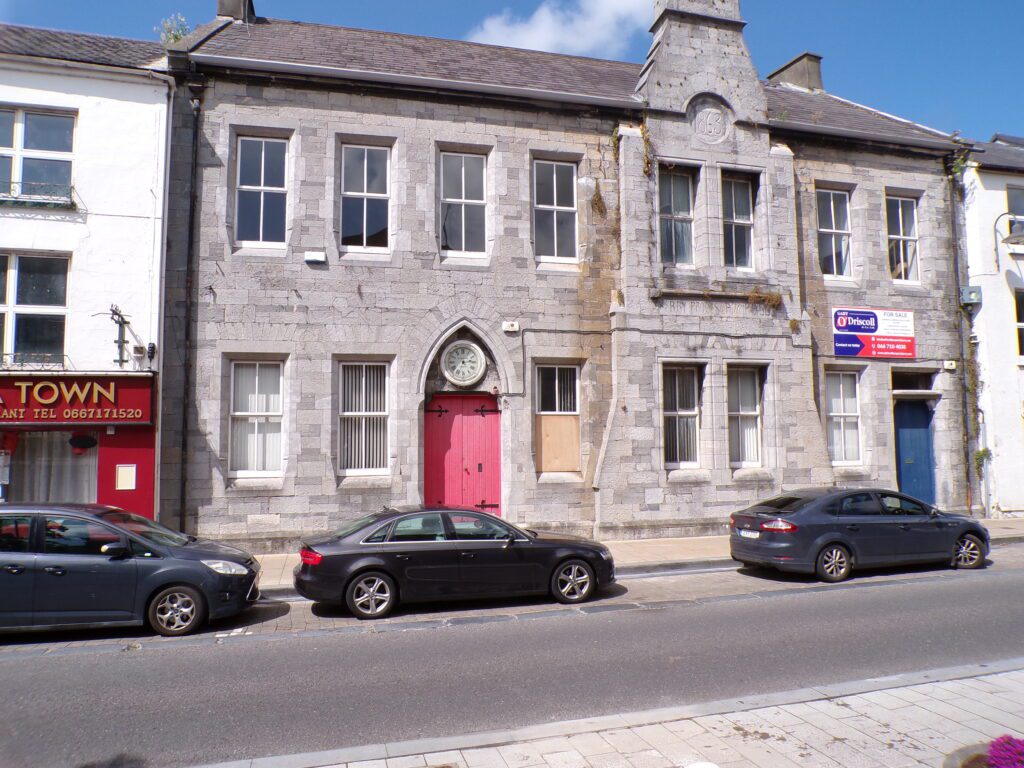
(557, 419)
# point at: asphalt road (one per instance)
(182, 704)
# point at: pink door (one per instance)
(462, 452)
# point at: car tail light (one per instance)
(309, 557)
(779, 526)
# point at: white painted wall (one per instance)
(1001, 367)
(115, 237)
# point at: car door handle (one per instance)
(468, 554)
(55, 571)
(853, 527)
(904, 527)
(402, 557)
(14, 569)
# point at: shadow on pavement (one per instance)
(259, 613)
(467, 606)
(866, 575)
(120, 761)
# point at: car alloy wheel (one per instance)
(175, 611)
(573, 582)
(371, 596)
(968, 552)
(833, 563)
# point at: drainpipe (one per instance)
(956, 201)
(186, 387)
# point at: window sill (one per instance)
(275, 483)
(55, 205)
(455, 260)
(558, 267)
(559, 478)
(752, 475)
(907, 286)
(347, 482)
(689, 476)
(249, 251)
(364, 256)
(845, 283)
(851, 472)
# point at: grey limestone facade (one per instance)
(617, 313)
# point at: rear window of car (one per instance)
(349, 528)
(782, 504)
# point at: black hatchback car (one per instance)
(414, 554)
(832, 531)
(89, 565)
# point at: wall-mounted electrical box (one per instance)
(970, 295)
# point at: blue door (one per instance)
(915, 463)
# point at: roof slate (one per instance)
(75, 46)
(423, 57)
(999, 155)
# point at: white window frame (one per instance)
(257, 415)
(904, 238)
(262, 189)
(844, 418)
(1018, 304)
(757, 413)
(736, 223)
(844, 234)
(365, 195)
(463, 201)
(18, 154)
(574, 210)
(691, 176)
(537, 396)
(363, 415)
(694, 414)
(10, 308)
(1016, 219)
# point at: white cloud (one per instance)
(602, 28)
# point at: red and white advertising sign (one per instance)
(48, 400)
(864, 332)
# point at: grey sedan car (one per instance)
(832, 531)
(69, 565)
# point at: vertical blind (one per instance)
(256, 417)
(681, 398)
(364, 417)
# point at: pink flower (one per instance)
(1006, 752)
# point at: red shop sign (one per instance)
(75, 400)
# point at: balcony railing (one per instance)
(37, 194)
(35, 361)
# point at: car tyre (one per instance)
(573, 582)
(371, 595)
(834, 563)
(176, 611)
(968, 554)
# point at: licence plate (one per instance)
(750, 534)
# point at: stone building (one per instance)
(994, 207)
(582, 294)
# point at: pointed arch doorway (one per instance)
(462, 452)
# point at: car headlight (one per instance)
(226, 567)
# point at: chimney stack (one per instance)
(239, 10)
(804, 71)
(721, 9)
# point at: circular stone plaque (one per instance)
(711, 124)
(463, 363)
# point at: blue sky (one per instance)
(940, 62)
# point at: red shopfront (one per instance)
(78, 438)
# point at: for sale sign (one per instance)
(863, 332)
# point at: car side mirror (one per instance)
(933, 512)
(114, 550)
(509, 540)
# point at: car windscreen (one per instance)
(144, 528)
(781, 505)
(349, 528)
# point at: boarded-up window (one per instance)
(364, 417)
(557, 424)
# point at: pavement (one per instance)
(936, 718)
(631, 556)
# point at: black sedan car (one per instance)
(832, 531)
(94, 566)
(413, 554)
